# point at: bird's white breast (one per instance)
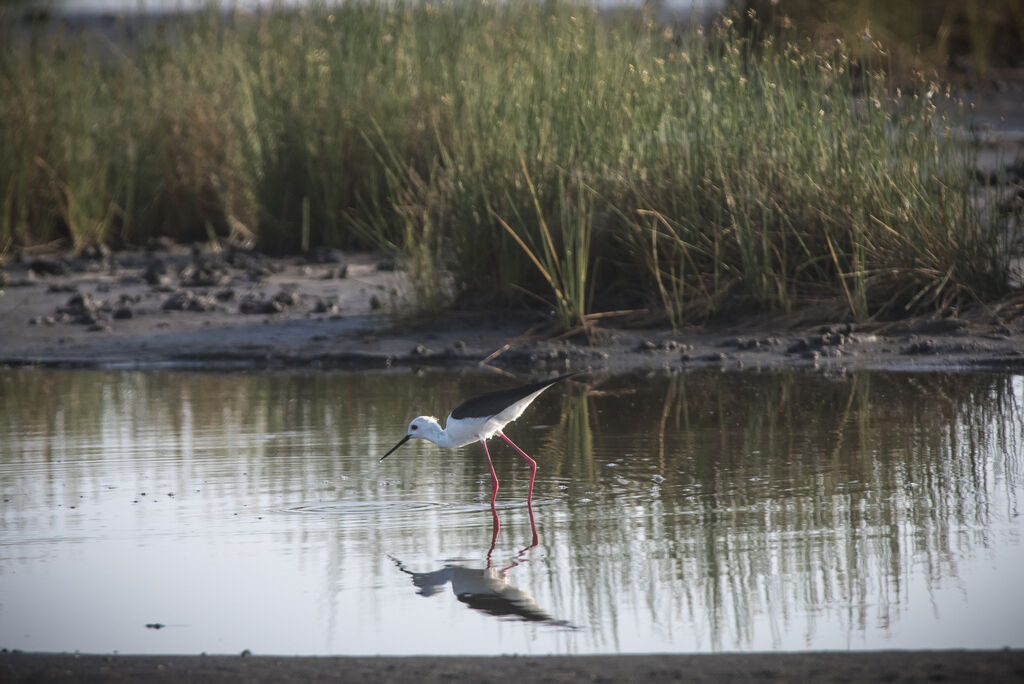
(469, 430)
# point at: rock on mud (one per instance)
(189, 301)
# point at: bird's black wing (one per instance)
(493, 403)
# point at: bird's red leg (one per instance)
(533, 465)
(494, 477)
(495, 527)
(533, 526)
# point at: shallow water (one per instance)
(695, 512)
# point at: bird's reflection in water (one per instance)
(486, 589)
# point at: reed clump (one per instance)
(595, 163)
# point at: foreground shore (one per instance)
(227, 308)
(876, 666)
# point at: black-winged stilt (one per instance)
(481, 418)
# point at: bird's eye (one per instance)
(414, 427)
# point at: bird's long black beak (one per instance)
(395, 448)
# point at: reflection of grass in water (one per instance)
(570, 447)
(787, 496)
(799, 496)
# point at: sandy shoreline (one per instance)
(870, 666)
(193, 307)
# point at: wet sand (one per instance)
(883, 666)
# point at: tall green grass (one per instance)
(593, 162)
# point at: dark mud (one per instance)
(197, 307)
(887, 666)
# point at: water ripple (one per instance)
(364, 508)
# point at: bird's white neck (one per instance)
(433, 432)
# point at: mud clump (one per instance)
(189, 301)
(82, 309)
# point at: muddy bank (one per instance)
(888, 666)
(193, 306)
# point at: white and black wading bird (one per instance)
(479, 419)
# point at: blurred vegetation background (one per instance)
(959, 38)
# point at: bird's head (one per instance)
(422, 427)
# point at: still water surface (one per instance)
(684, 513)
